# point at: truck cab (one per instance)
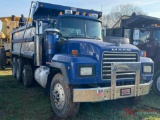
(149, 41)
(63, 50)
(144, 32)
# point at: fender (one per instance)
(56, 65)
(62, 67)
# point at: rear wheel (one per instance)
(14, 66)
(2, 58)
(156, 83)
(61, 98)
(27, 76)
(19, 69)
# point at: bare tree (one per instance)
(117, 12)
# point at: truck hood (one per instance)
(95, 48)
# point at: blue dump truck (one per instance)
(63, 50)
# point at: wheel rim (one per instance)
(58, 96)
(158, 83)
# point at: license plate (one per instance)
(125, 91)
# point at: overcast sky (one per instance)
(17, 7)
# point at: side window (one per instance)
(127, 33)
(156, 34)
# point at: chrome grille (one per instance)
(110, 57)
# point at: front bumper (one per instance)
(114, 92)
(91, 94)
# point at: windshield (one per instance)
(82, 28)
(156, 34)
(140, 35)
(143, 36)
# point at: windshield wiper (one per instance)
(97, 38)
(78, 35)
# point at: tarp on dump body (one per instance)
(44, 10)
(139, 20)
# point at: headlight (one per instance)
(86, 71)
(147, 69)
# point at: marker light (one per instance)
(77, 13)
(68, 12)
(155, 25)
(60, 13)
(84, 13)
(143, 53)
(41, 5)
(94, 15)
(90, 14)
(74, 52)
(100, 18)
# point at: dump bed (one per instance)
(24, 44)
(45, 10)
(139, 21)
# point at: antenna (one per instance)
(101, 8)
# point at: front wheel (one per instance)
(61, 98)
(156, 83)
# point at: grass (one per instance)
(20, 103)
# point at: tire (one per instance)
(14, 66)
(19, 69)
(27, 76)
(131, 101)
(61, 98)
(156, 83)
(2, 58)
(8, 58)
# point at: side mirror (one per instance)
(62, 41)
